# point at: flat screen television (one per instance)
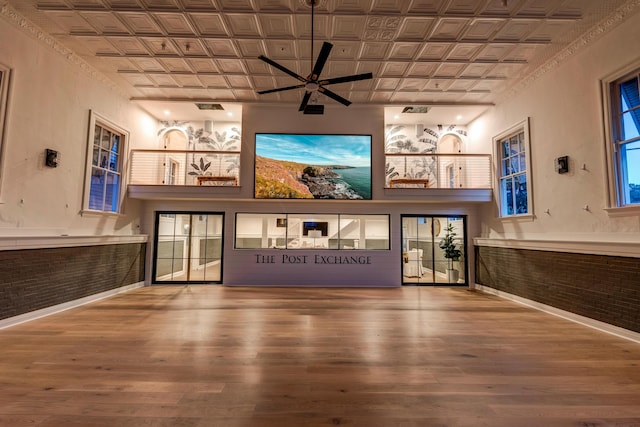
(323, 227)
(313, 166)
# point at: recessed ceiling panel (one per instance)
(221, 47)
(97, 45)
(449, 28)
(162, 79)
(232, 66)
(414, 29)
(516, 30)
(374, 50)
(139, 22)
(449, 70)
(422, 69)
(202, 65)
(238, 82)
(391, 69)
(482, 29)
(147, 64)
(388, 6)
(243, 25)
(235, 5)
(174, 23)
(178, 65)
(213, 81)
(209, 24)
(129, 45)
(187, 80)
(302, 26)
(412, 84)
(387, 84)
(71, 22)
(105, 22)
(425, 6)
(435, 51)
(348, 27)
(464, 51)
(277, 25)
(404, 50)
(495, 52)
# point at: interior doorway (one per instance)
(434, 250)
(188, 247)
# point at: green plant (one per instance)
(448, 244)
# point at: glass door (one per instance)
(433, 250)
(188, 247)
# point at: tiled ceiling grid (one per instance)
(419, 51)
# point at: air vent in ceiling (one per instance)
(416, 109)
(205, 106)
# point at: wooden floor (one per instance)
(278, 357)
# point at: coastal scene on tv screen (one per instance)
(296, 166)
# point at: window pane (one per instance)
(96, 190)
(521, 194)
(113, 162)
(523, 162)
(96, 155)
(630, 125)
(96, 135)
(506, 167)
(630, 165)
(505, 149)
(629, 97)
(115, 143)
(506, 191)
(111, 193)
(515, 145)
(106, 140)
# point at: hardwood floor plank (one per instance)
(264, 357)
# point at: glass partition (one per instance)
(312, 231)
(433, 250)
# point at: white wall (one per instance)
(564, 107)
(49, 103)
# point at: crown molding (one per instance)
(12, 15)
(620, 15)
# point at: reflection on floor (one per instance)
(207, 273)
(431, 276)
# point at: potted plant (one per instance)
(451, 252)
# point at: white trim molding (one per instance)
(586, 321)
(27, 317)
(41, 242)
(612, 248)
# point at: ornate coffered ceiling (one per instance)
(426, 52)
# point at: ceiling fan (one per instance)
(312, 82)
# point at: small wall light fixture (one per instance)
(562, 164)
(51, 158)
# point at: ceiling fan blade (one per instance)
(334, 96)
(281, 68)
(305, 101)
(346, 79)
(262, 92)
(322, 59)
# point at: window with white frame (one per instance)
(107, 145)
(623, 136)
(513, 171)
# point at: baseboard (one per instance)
(586, 321)
(27, 317)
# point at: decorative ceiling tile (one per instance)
(350, 6)
(97, 45)
(250, 48)
(137, 79)
(412, 84)
(448, 28)
(129, 45)
(422, 69)
(139, 22)
(174, 23)
(191, 47)
(449, 70)
(482, 29)
(281, 49)
(177, 65)
(516, 30)
(209, 24)
(388, 6)
(464, 51)
(198, 4)
(71, 22)
(232, 66)
(550, 30)
(202, 65)
(148, 64)
(243, 25)
(275, 5)
(414, 29)
(476, 70)
(277, 26)
(235, 5)
(404, 50)
(387, 84)
(435, 51)
(162, 79)
(381, 96)
(238, 82)
(348, 27)
(211, 81)
(105, 22)
(494, 52)
(338, 69)
(374, 50)
(394, 69)
(185, 80)
(222, 48)
(302, 27)
(430, 7)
